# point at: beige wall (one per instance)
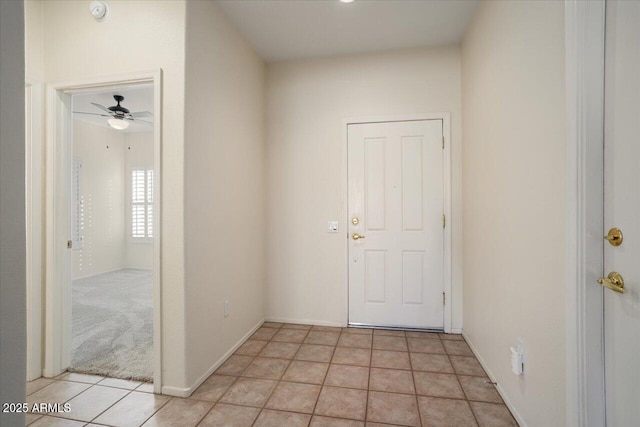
(306, 103)
(106, 191)
(139, 36)
(224, 187)
(34, 41)
(138, 155)
(514, 179)
(101, 151)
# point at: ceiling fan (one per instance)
(119, 116)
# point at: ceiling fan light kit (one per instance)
(99, 10)
(119, 117)
(118, 124)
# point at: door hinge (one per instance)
(69, 244)
(443, 142)
(444, 221)
(444, 298)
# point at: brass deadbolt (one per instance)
(614, 237)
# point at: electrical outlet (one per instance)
(226, 307)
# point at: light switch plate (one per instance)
(332, 227)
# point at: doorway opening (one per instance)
(112, 229)
(103, 229)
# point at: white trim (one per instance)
(499, 388)
(584, 37)
(186, 392)
(57, 256)
(56, 233)
(34, 241)
(446, 132)
(305, 322)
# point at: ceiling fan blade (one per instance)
(146, 122)
(131, 119)
(141, 114)
(102, 107)
(91, 114)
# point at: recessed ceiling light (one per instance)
(346, 1)
(118, 124)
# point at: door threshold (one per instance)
(395, 328)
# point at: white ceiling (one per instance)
(290, 29)
(136, 98)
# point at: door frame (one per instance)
(585, 48)
(446, 133)
(34, 229)
(58, 257)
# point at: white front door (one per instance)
(396, 237)
(622, 210)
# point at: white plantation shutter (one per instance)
(149, 203)
(142, 203)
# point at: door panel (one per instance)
(374, 162)
(622, 210)
(396, 272)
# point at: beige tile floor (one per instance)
(296, 375)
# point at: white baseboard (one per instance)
(305, 322)
(175, 391)
(47, 373)
(456, 331)
(492, 377)
(186, 392)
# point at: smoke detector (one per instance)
(99, 10)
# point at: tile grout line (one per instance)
(91, 421)
(111, 406)
(72, 397)
(268, 397)
(324, 379)
(366, 407)
(462, 388)
(415, 387)
(156, 411)
(279, 380)
(213, 405)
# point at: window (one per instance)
(77, 226)
(142, 203)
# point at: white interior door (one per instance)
(622, 210)
(396, 203)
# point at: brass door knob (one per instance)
(357, 236)
(614, 237)
(613, 281)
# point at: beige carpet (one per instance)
(112, 325)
